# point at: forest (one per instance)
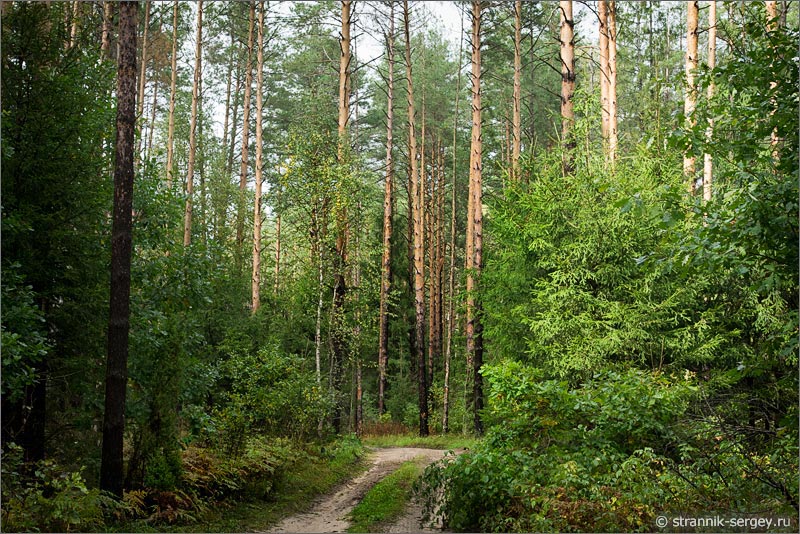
(250, 247)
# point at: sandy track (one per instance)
(329, 513)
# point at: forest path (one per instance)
(329, 513)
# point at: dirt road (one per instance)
(329, 513)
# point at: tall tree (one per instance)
(198, 64)
(474, 328)
(452, 247)
(388, 205)
(342, 229)
(248, 82)
(690, 98)
(256, 280)
(111, 464)
(517, 98)
(419, 261)
(712, 62)
(172, 93)
(567, 39)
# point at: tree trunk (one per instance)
(234, 120)
(602, 15)
(73, 33)
(111, 465)
(228, 83)
(187, 219)
(105, 39)
(340, 285)
(690, 100)
(151, 128)
(142, 82)
(419, 266)
(474, 330)
(612, 81)
(277, 241)
(567, 38)
(451, 273)
(386, 257)
(256, 280)
(712, 62)
(517, 113)
(248, 82)
(172, 93)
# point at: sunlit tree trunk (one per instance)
(690, 100)
(248, 83)
(474, 328)
(152, 126)
(517, 99)
(228, 84)
(772, 25)
(612, 81)
(73, 32)
(386, 256)
(187, 219)
(567, 38)
(605, 106)
(712, 61)
(256, 279)
(419, 269)
(111, 463)
(172, 93)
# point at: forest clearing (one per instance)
(392, 266)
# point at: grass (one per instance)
(386, 500)
(439, 441)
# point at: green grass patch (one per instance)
(386, 500)
(439, 441)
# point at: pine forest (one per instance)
(392, 265)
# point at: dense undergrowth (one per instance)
(280, 475)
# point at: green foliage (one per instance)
(608, 455)
(268, 392)
(45, 497)
(23, 340)
(386, 500)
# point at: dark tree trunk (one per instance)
(111, 466)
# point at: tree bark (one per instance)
(474, 330)
(248, 82)
(690, 100)
(187, 218)
(111, 464)
(256, 280)
(172, 93)
(517, 112)
(419, 265)
(567, 38)
(386, 256)
(712, 62)
(152, 126)
(228, 83)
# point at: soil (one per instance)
(329, 513)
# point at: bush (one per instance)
(44, 496)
